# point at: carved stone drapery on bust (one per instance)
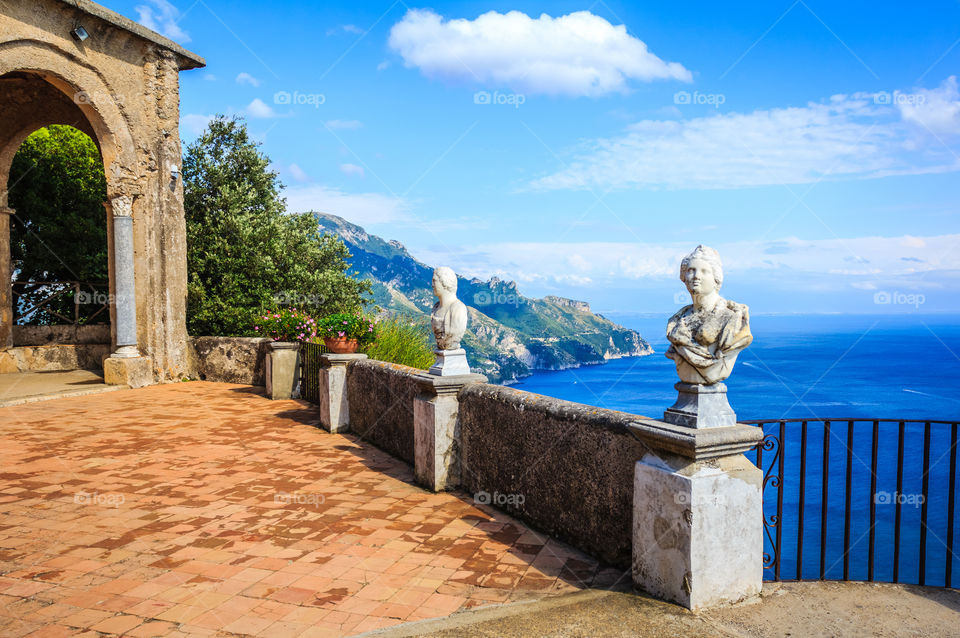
(449, 317)
(707, 335)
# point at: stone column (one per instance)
(124, 291)
(125, 366)
(334, 404)
(697, 514)
(436, 433)
(6, 280)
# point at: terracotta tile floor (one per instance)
(205, 509)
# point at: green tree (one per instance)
(245, 255)
(57, 186)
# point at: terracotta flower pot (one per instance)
(341, 345)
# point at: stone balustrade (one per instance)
(679, 505)
(682, 506)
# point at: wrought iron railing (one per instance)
(49, 302)
(310, 370)
(890, 495)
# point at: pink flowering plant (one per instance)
(286, 324)
(347, 326)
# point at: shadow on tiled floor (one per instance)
(198, 508)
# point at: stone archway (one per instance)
(120, 85)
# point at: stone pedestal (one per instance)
(450, 363)
(701, 406)
(435, 430)
(135, 371)
(334, 405)
(282, 369)
(697, 515)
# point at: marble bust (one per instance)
(707, 335)
(449, 316)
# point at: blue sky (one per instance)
(582, 148)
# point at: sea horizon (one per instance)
(811, 365)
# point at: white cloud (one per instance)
(913, 242)
(258, 108)
(860, 262)
(573, 280)
(343, 124)
(352, 169)
(246, 78)
(194, 123)
(298, 173)
(934, 110)
(856, 136)
(163, 18)
(346, 28)
(209, 77)
(576, 54)
(359, 208)
(578, 262)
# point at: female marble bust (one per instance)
(449, 317)
(707, 335)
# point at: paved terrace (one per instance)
(203, 508)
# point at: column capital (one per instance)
(121, 206)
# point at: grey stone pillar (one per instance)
(697, 514)
(6, 279)
(436, 432)
(334, 403)
(124, 292)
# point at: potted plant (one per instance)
(345, 333)
(287, 327)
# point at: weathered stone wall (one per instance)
(121, 86)
(55, 357)
(381, 404)
(228, 359)
(49, 335)
(571, 464)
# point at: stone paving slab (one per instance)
(799, 610)
(25, 387)
(205, 509)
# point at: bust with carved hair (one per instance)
(707, 335)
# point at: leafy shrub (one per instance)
(245, 254)
(59, 233)
(286, 324)
(404, 340)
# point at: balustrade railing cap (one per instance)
(696, 443)
(330, 358)
(448, 385)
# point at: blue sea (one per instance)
(812, 366)
(822, 367)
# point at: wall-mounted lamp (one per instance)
(174, 173)
(79, 33)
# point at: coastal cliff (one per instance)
(509, 335)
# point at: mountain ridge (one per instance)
(509, 335)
